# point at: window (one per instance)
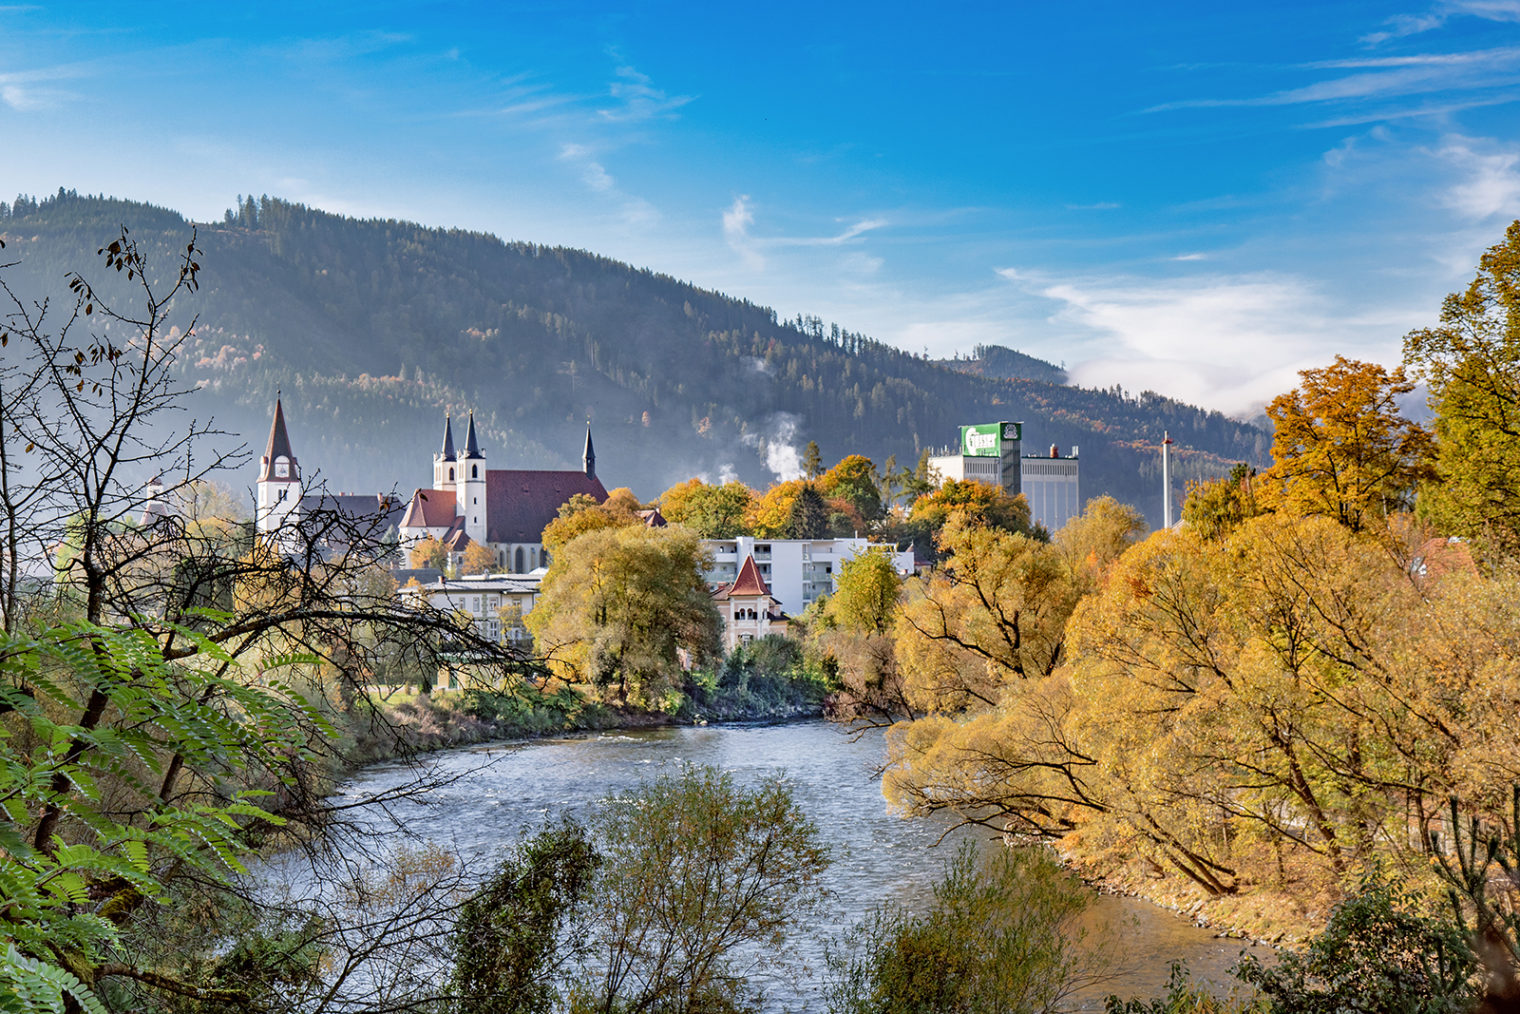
(451, 475)
(474, 471)
(518, 569)
(282, 494)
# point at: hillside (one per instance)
(372, 329)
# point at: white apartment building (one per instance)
(796, 571)
(495, 603)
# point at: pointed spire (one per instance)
(448, 437)
(471, 448)
(277, 447)
(589, 458)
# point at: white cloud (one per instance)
(736, 222)
(1230, 342)
(1191, 257)
(1100, 206)
(1490, 184)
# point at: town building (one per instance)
(748, 608)
(504, 510)
(992, 453)
(796, 572)
(495, 603)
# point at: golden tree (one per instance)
(1342, 449)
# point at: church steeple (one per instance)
(448, 437)
(279, 486)
(278, 463)
(589, 458)
(471, 447)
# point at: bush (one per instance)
(1001, 936)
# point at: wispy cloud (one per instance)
(1402, 26)
(1191, 257)
(636, 98)
(28, 91)
(1099, 206)
(1489, 179)
(633, 210)
(1383, 78)
(737, 220)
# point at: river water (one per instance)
(505, 790)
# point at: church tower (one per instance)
(589, 458)
(443, 461)
(279, 478)
(470, 498)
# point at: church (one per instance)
(468, 504)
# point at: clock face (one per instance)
(282, 469)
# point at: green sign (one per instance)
(984, 441)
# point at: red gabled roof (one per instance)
(520, 503)
(748, 583)
(456, 541)
(430, 508)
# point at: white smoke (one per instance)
(773, 439)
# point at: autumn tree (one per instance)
(1213, 508)
(429, 552)
(617, 606)
(1342, 449)
(477, 559)
(855, 481)
(770, 513)
(978, 503)
(865, 599)
(582, 513)
(712, 511)
(1471, 363)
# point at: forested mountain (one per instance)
(372, 329)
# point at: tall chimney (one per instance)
(1166, 479)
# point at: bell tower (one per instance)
(279, 486)
(443, 462)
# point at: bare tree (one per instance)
(172, 685)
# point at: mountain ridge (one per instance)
(374, 328)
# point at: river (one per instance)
(504, 790)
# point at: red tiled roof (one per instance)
(749, 582)
(456, 541)
(430, 508)
(520, 503)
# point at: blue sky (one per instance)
(1198, 199)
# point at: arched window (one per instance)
(474, 471)
(451, 475)
(519, 566)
